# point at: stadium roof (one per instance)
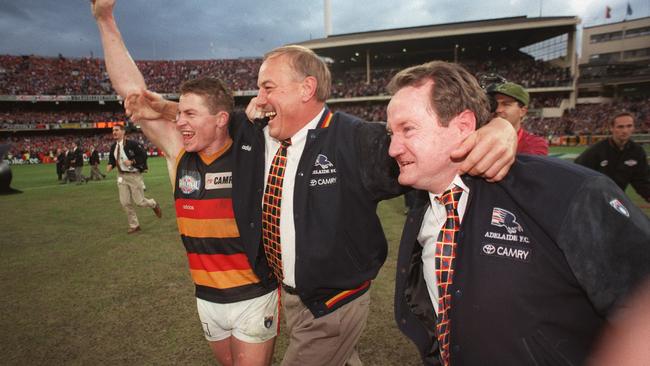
(513, 33)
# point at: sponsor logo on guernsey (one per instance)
(604, 163)
(618, 206)
(246, 147)
(506, 219)
(506, 252)
(268, 321)
(218, 180)
(630, 162)
(189, 183)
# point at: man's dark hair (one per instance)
(454, 90)
(216, 93)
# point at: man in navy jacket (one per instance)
(541, 258)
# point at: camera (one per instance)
(489, 83)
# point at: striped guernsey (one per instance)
(206, 222)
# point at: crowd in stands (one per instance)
(592, 119)
(34, 75)
(26, 148)
(33, 118)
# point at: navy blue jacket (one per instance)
(344, 171)
(543, 257)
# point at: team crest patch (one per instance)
(618, 206)
(189, 183)
(268, 321)
(323, 162)
(506, 219)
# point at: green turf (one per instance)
(75, 289)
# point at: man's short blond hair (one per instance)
(306, 63)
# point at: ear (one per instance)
(222, 119)
(524, 111)
(465, 123)
(308, 88)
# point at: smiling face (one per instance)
(201, 130)
(281, 96)
(419, 144)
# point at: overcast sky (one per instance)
(202, 29)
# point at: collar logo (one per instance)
(506, 219)
(618, 206)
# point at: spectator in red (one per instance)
(512, 104)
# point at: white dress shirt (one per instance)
(433, 221)
(287, 226)
(121, 157)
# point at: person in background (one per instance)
(512, 104)
(129, 158)
(94, 162)
(619, 157)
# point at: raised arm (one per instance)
(128, 81)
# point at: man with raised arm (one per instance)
(237, 312)
(318, 235)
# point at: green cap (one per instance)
(513, 90)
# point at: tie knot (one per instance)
(451, 197)
(285, 143)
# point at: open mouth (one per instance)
(270, 115)
(403, 163)
(187, 135)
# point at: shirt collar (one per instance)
(433, 197)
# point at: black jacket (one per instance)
(534, 287)
(61, 162)
(76, 158)
(343, 173)
(94, 158)
(134, 151)
(627, 166)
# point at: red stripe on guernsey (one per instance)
(218, 262)
(217, 208)
(344, 294)
(325, 119)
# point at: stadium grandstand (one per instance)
(48, 102)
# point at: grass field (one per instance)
(75, 289)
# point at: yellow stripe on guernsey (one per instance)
(207, 228)
(224, 279)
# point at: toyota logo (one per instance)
(489, 249)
